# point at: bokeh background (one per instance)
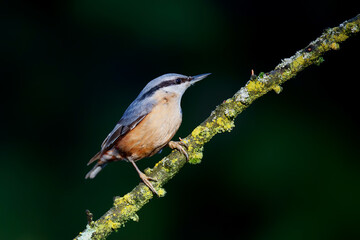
(289, 170)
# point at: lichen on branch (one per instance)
(220, 120)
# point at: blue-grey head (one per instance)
(172, 83)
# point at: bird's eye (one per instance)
(178, 80)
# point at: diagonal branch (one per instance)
(220, 120)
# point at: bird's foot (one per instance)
(179, 145)
(146, 180)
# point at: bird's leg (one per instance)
(179, 145)
(144, 178)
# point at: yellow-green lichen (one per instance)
(135, 217)
(126, 199)
(323, 47)
(146, 193)
(319, 61)
(113, 225)
(158, 164)
(255, 86)
(201, 134)
(225, 124)
(148, 171)
(335, 46)
(196, 132)
(340, 37)
(298, 62)
(105, 226)
(128, 211)
(195, 157)
(230, 113)
(209, 124)
(174, 160)
(287, 74)
(161, 192)
(229, 100)
(277, 89)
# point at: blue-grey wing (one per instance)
(133, 115)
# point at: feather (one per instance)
(113, 136)
(94, 158)
(119, 131)
(95, 170)
(133, 115)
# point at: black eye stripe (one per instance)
(181, 80)
(164, 84)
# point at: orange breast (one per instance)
(154, 131)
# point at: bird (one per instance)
(147, 125)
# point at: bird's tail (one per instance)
(94, 158)
(96, 169)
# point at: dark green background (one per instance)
(289, 170)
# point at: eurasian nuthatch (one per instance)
(147, 125)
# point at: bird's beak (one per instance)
(199, 77)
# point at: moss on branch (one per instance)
(220, 120)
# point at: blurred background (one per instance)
(289, 170)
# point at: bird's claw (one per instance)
(146, 180)
(179, 145)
